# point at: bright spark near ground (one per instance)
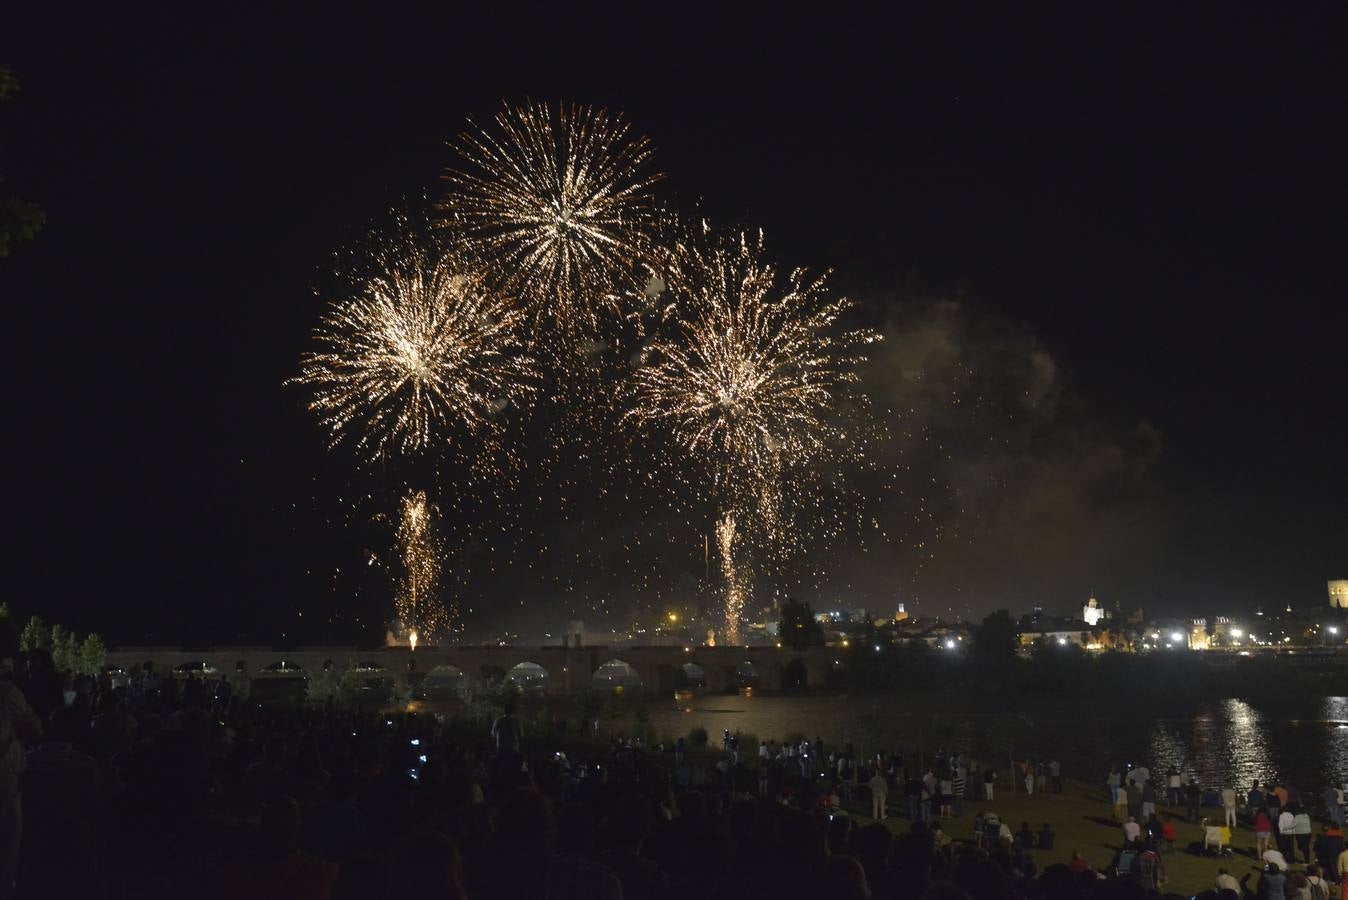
(559, 201)
(418, 603)
(427, 348)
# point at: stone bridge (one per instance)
(569, 669)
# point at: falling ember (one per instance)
(733, 579)
(418, 604)
(559, 202)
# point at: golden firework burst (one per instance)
(560, 202)
(426, 349)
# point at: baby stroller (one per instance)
(1216, 839)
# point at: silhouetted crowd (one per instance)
(169, 789)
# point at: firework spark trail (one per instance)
(560, 203)
(747, 382)
(731, 576)
(425, 350)
(418, 603)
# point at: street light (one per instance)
(1177, 636)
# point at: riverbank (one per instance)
(1083, 821)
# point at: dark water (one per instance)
(1302, 741)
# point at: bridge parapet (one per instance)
(570, 669)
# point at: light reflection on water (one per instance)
(1232, 741)
(1303, 741)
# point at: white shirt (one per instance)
(1285, 822)
(1227, 882)
(1276, 857)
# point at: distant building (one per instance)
(1338, 593)
(900, 613)
(1091, 613)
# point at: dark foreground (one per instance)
(156, 796)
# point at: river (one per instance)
(1302, 741)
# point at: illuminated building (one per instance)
(1091, 612)
(1338, 593)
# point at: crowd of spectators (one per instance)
(166, 789)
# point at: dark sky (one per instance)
(1137, 219)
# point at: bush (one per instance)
(697, 737)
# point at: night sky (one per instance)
(1136, 221)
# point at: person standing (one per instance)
(946, 789)
(1229, 805)
(507, 731)
(989, 776)
(1285, 845)
(1263, 832)
(1113, 782)
(1301, 833)
(1173, 784)
(1254, 800)
(879, 794)
(1333, 806)
(1148, 801)
(957, 784)
(1134, 800)
(1055, 774)
(1192, 795)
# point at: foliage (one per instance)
(993, 644)
(93, 653)
(36, 635)
(697, 737)
(63, 648)
(798, 629)
(19, 219)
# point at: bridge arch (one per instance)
(528, 678)
(616, 674)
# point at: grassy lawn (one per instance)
(1083, 820)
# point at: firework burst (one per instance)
(559, 202)
(747, 384)
(757, 363)
(426, 349)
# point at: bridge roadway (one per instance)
(570, 669)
